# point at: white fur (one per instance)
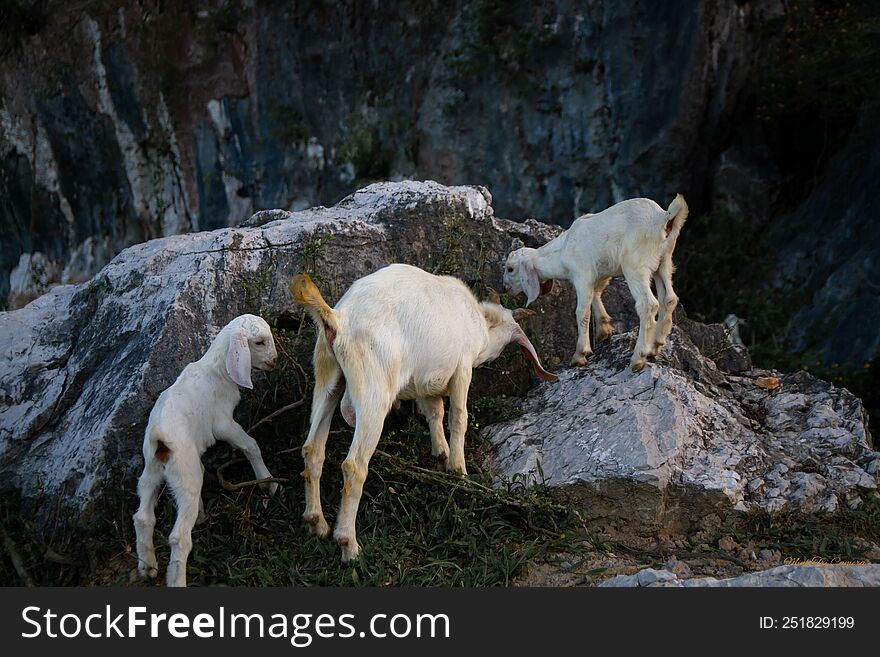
(193, 413)
(629, 239)
(400, 333)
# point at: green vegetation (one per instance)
(839, 536)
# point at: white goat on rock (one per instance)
(399, 333)
(634, 238)
(193, 413)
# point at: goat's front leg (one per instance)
(668, 300)
(585, 290)
(230, 431)
(458, 418)
(145, 518)
(367, 431)
(639, 283)
(184, 475)
(432, 409)
(328, 392)
(601, 318)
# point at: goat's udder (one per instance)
(163, 452)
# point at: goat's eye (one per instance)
(510, 270)
(260, 343)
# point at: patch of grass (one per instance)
(839, 536)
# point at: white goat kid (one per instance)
(399, 333)
(193, 413)
(634, 238)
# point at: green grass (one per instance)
(838, 536)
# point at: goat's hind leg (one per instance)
(432, 409)
(148, 487)
(668, 300)
(328, 392)
(601, 318)
(639, 283)
(367, 431)
(184, 474)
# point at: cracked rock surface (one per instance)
(683, 438)
(791, 575)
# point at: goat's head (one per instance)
(504, 329)
(250, 345)
(521, 274)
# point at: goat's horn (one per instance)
(520, 314)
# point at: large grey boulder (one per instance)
(789, 575)
(81, 366)
(683, 438)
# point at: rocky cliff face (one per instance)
(136, 121)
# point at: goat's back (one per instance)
(185, 412)
(416, 325)
(628, 232)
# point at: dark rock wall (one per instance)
(150, 120)
(126, 121)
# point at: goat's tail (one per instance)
(675, 217)
(156, 445)
(306, 294)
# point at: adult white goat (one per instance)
(193, 413)
(634, 238)
(399, 333)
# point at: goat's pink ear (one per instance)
(528, 280)
(238, 360)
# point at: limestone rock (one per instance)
(790, 575)
(683, 439)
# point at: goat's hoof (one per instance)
(148, 571)
(349, 545)
(579, 360)
(316, 524)
(442, 459)
(656, 349)
(269, 488)
(456, 468)
(603, 334)
(638, 365)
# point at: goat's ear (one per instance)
(493, 295)
(516, 244)
(528, 280)
(238, 360)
